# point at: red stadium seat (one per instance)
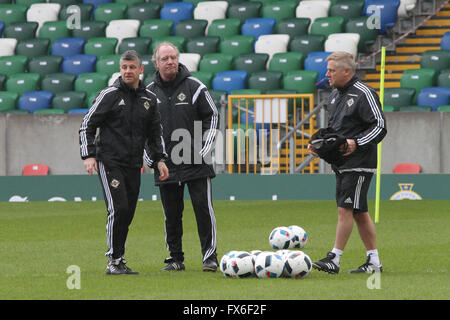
(35, 169)
(407, 168)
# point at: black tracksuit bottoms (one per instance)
(172, 197)
(121, 191)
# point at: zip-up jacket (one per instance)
(190, 120)
(126, 118)
(355, 112)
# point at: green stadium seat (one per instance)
(3, 82)
(191, 28)
(302, 81)
(444, 78)
(130, 2)
(389, 109)
(143, 11)
(148, 78)
(66, 2)
(237, 45)
(307, 43)
(22, 82)
(155, 28)
(45, 64)
(243, 102)
(415, 108)
(21, 30)
(203, 45)
(435, 59)
(54, 29)
(398, 97)
(90, 29)
(149, 66)
(244, 10)
(367, 35)
(265, 80)
(444, 108)
(293, 26)
(100, 46)
(109, 64)
(418, 79)
(10, 65)
(251, 62)
(224, 27)
(206, 77)
(49, 111)
(347, 9)
(28, 3)
(279, 10)
(58, 82)
(140, 44)
(91, 82)
(10, 13)
(69, 100)
(216, 62)
(83, 9)
(110, 11)
(8, 100)
(327, 25)
(178, 41)
(33, 47)
(287, 61)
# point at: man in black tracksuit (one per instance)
(189, 118)
(354, 111)
(126, 115)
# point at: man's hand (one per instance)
(163, 171)
(351, 147)
(90, 164)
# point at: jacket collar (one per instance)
(348, 84)
(119, 83)
(183, 73)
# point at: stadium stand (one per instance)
(35, 169)
(35, 100)
(230, 80)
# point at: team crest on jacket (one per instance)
(350, 102)
(115, 183)
(181, 96)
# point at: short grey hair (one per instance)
(131, 55)
(161, 44)
(344, 60)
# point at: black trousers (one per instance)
(172, 197)
(121, 191)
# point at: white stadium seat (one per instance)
(210, 10)
(190, 60)
(7, 46)
(347, 42)
(271, 44)
(312, 9)
(406, 7)
(120, 29)
(43, 12)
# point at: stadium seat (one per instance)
(258, 26)
(191, 28)
(35, 100)
(347, 9)
(279, 10)
(388, 13)
(367, 36)
(244, 10)
(444, 78)
(35, 169)
(434, 97)
(307, 43)
(205, 77)
(139, 44)
(190, 60)
(237, 45)
(177, 11)
(21, 30)
(302, 81)
(121, 29)
(53, 30)
(445, 41)
(216, 62)
(286, 61)
(312, 9)
(230, 80)
(327, 26)
(8, 100)
(49, 111)
(10, 13)
(69, 100)
(251, 62)
(82, 10)
(265, 80)
(90, 29)
(347, 42)
(149, 66)
(96, 3)
(78, 64)
(78, 111)
(7, 46)
(100, 46)
(224, 28)
(435, 59)
(143, 11)
(22, 82)
(178, 41)
(293, 27)
(407, 168)
(156, 28)
(43, 12)
(109, 64)
(415, 108)
(91, 82)
(203, 45)
(444, 108)
(110, 11)
(210, 11)
(33, 47)
(58, 82)
(317, 61)
(406, 7)
(66, 47)
(271, 44)
(10, 65)
(398, 97)
(417, 79)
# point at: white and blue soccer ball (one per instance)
(269, 265)
(223, 265)
(241, 265)
(299, 238)
(297, 265)
(280, 238)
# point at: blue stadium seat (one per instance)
(35, 100)
(177, 11)
(80, 63)
(2, 26)
(258, 26)
(445, 41)
(434, 97)
(95, 3)
(67, 47)
(78, 111)
(317, 61)
(230, 80)
(388, 9)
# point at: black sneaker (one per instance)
(118, 267)
(210, 264)
(173, 265)
(327, 264)
(367, 267)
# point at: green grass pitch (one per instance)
(40, 240)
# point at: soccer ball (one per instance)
(269, 265)
(223, 265)
(240, 265)
(297, 265)
(298, 237)
(280, 238)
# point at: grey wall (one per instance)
(421, 137)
